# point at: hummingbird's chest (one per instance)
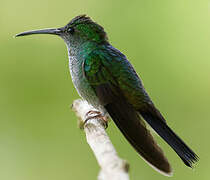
(80, 82)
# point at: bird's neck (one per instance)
(78, 49)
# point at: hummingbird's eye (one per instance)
(70, 30)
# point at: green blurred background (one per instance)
(166, 41)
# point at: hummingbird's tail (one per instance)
(133, 128)
(158, 123)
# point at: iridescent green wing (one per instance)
(97, 70)
(108, 66)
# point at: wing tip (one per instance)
(167, 171)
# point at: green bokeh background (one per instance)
(166, 41)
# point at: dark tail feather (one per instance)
(157, 122)
(133, 128)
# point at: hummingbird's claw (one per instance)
(97, 115)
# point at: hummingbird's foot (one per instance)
(97, 115)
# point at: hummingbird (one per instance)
(104, 77)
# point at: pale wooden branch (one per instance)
(112, 167)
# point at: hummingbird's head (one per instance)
(78, 30)
(83, 29)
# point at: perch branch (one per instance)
(112, 167)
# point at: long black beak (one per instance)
(57, 31)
